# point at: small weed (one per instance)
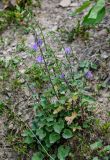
(78, 31)
(18, 15)
(105, 127)
(93, 17)
(6, 17)
(1, 108)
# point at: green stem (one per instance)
(47, 69)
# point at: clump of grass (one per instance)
(16, 14)
(6, 18)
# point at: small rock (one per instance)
(74, 5)
(13, 2)
(54, 28)
(27, 117)
(22, 70)
(24, 55)
(65, 3)
(1, 52)
(14, 43)
(8, 58)
(9, 94)
(26, 90)
(100, 100)
(9, 50)
(104, 55)
(22, 81)
(1, 6)
(103, 32)
(60, 56)
(11, 126)
(19, 113)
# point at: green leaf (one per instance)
(106, 148)
(94, 66)
(28, 140)
(48, 124)
(47, 142)
(96, 145)
(96, 9)
(1, 107)
(83, 6)
(62, 101)
(63, 152)
(88, 99)
(58, 126)
(44, 102)
(54, 137)
(36, 106)
(41, 124)
(38, 156)
(28, 133)
(95, 158)
(77, 76)
(49, 119)
(39, 114)
(41, 133)
(89, 21)
(84, 64)
(67, 134)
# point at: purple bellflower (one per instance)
(89, 75)
(39, 59)
(35, 47)
(68, 50)
(62, 76)
(39, 42)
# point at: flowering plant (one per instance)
(62, 108)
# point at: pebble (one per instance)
(22, 71)
(11, 126)
(74, 5)
(104, 55)
(23, 55)
(22, 81)
(100, 99)
(54, 28)
(26, 90)
(103, 32)
(65, 3)
(1, 52)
